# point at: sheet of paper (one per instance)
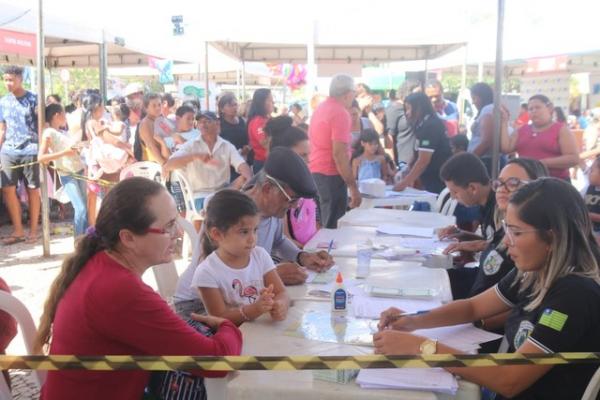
(459, 336)
(396, 229)
(434, 379)
(408, 192)
(322, 278)
(369, 307)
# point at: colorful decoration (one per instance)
(164, 67)
(294, 74)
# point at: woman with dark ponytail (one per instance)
(99, 305)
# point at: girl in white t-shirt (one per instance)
(237, 280)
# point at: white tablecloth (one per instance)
(378, 216)
(265, 337)
(346, 238)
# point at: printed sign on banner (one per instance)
(17, 43)
(196, 89)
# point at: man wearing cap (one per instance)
(330, 139)
(206, 160)
(283, 180)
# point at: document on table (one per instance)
(408, 192)
(434, 379)
(322, 277)
(464, 337)
(395, 229)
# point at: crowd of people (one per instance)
(264, 184)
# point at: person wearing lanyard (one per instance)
(553, 297)
(432, 147)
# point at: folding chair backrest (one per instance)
(593, 388)
(145, 169)
(14, 307)
(188, 195)
(445, 204)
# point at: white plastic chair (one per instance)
(191, 212)
(145, 169)
(19, 312)
(445, 204)
(593, 388)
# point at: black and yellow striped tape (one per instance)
(288, 363)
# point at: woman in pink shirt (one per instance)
(260, 111)
(99, 305)
(544, 140)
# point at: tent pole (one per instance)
(41, 112)
(498, 90)
(237, 81)
(424, 84)
(206, 77)
(463, 87)
(103, 61)
(310, 64)
(244, 83)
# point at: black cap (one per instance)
(208, 115)
(289, 168)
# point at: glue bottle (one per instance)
(339, 297)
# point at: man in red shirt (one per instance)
(330, 138)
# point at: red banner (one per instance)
(547, 64)
(17, 43)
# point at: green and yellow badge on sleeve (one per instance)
(553, 319)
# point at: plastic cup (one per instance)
(364, 251)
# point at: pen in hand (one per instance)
(390, 319)
(330, 247)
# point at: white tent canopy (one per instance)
(67, 43)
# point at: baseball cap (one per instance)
(208, 115)
(289, 168)
(133, 88)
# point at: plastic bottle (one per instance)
(364, 251)
(339, 297)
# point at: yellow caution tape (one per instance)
(288, 363)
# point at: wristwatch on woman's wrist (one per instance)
(428, 347)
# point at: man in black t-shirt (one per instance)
(467, 179)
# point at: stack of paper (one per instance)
(432, 380)
(408, 192)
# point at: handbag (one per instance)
(178, 385)
(60, 194)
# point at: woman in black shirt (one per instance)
(233, 127)
(553, 297)
(432, 147)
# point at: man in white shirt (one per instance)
(205, 161)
